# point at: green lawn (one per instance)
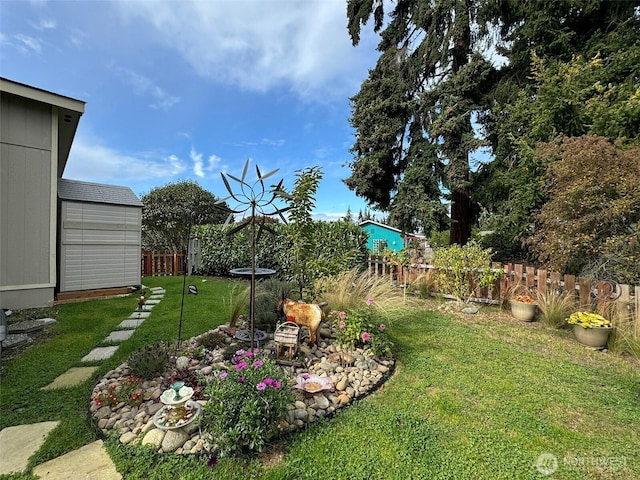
(479, 397)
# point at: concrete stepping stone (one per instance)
(18, 443)
(119, 336)
(70, 378)
(147, 308)
(131, 323)
(100, 353)
(157, 289)
(156, 297)
(88, 462)
(152, 301)
(29, 326)
(137, 315)
(14, 340)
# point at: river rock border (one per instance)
(354, 375)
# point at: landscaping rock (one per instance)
(353, 374)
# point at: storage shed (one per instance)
(100, 236)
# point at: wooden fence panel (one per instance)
(541, 279)
(162, 263)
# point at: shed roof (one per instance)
(76, 190)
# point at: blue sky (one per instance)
(186, 90)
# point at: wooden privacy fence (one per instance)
(585, 291)
(162, 263)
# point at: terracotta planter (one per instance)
(596, 337)
(523, 311)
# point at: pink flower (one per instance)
(258, 363)
(268, 381)
(342, 325)
(382, 327)
(248, 354)
(223, 374)
(369, 300)
(261, 386)
(366, 336)
(240, 352)
(342, 315)
(276, 384)
(240, 379)
(241, 366)
(333, 313)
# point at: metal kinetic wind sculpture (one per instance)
(259, 202)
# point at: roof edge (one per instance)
(40, 95)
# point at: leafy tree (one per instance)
(304, 270)
(413, 114)
(591, 221)
(572, 70)
(169, 210)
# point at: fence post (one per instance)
(542, 281)
(584, 286)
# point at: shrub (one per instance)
(362, 327)
(150, 361)
(212, 340)
(351, 288)
(128, 391)
(460, 270)
(244, 404)
(424, 285)
(554, 307)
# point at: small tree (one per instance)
(169, 210)
(304, 266)
(593, 213)
(460, 270)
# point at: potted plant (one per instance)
(590, 329)
(523, 307)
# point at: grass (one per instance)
(475, 397)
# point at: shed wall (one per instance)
(27, 202)
(100, 246)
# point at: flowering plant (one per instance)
(128, 391)
(362, 327)
(244, 403)
(313, 383)
(526, 298)
(588, 320)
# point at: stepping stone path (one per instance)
(22, 441)
(19, 443)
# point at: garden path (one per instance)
(18, 443)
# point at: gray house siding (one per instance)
(100, 243)
(28, 166)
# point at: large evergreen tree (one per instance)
(413, 114)
(572, 69)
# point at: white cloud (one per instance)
(144, 86)
(44, 24)
(27, 43)
(303, 45)
(199, 168)
(90, 160)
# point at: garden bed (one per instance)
(352, 376)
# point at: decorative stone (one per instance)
(154, 437)
(321, 401)
(182, 363)
(128, 437)
(173, 440)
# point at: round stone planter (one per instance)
(523, 311)
(596, 337)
